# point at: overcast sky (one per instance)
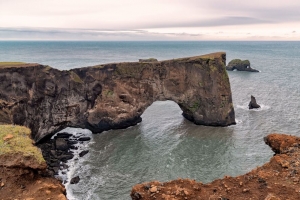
(149, 20)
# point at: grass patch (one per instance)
(194, 106)
(16, 139)
(11, 64)
(75, 77)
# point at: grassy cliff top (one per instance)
(16, 64)
(16, 139)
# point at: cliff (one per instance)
(278, 179)
(115, 95)
(22, 168)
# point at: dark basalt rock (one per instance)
(114, 96)
(61, 144)
(240, 65)
(57, 152)
(252, 103)
(81, 154)
(75, 180)
(84, 139)
(63, 135)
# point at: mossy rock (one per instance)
(148, 60)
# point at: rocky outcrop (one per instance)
(252, 103)
(240, 65)
(23, 171)
(61, 148)
(279, 179)
(113, 96)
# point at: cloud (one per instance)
(145, 20)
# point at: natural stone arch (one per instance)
(113, 96)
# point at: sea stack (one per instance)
(240, 65)
(252, 103)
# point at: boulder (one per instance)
(84, 139)
(63, 135)
(240, 65)
(75, 180)
(81, 154)
(252, 103)
(61, 144)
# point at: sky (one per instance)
(149, 20)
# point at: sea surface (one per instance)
(165, 146)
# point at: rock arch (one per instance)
(115, 95)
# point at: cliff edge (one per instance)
(278, 179)
(115, 95)
(23, 168)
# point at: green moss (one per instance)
(47, 68)
(108, 93)
(213, 68)
(239, 62)
(200, 84)
(75, 77)
(195, 105)
(98, 66)
(225, 76)
(127, 70)
(19, 142)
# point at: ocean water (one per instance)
(165, 146)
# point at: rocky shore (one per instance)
(279, 179)
(61, 148)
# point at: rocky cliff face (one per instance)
(115, 95)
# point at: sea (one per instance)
(166, 146)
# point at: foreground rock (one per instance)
(240, 65)
(23, 173)
(114, 96)
(252, 103)
(277, 180)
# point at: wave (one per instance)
(67, 174)
(262, 108)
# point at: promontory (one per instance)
(112, 96)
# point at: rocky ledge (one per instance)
(23, 173)
(278, 179)
(115, 95)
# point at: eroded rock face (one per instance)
(240, 65)
(115, 95)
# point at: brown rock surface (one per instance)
(277, 180)
(23, 172)
(115, 95)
